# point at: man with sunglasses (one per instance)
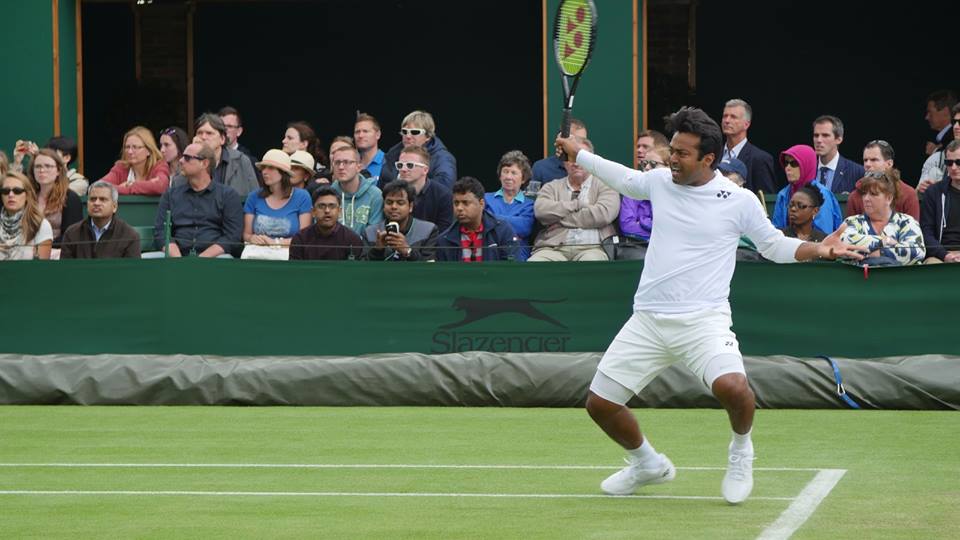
(419, 129)
(434, 202)
(230, 167)
(940, 220)
(878, 158)
(206, 217)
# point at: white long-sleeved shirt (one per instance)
(696, 230)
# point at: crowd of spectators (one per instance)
(354, 200)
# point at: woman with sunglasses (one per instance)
(60, 206)
(800, 165)
(172, 142)
(24, 234)
(636, 217)
(419, 129)
(804, 207)
(892, 238)
(141, 169)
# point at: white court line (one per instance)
(361, 466)
(803, 506)
(369, 494)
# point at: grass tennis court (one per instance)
(216, 472)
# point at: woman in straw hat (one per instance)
(278, 211)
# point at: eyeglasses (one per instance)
(956, 121)
(14, 190)
(343, 162)
(800, 206)
(951, 162)
(231, 126)
(134, 147)
(188, 157)
(408, 164)
(648, 164)
(43, 166)
(874, 174)
(790, 163)
(413, 131)
(326, 206)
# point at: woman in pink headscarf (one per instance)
(800, 165)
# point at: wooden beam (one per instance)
(546, 111)
(55, 9)
(191, 8)
(79, 23)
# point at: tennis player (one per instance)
(681, 311)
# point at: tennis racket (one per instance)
(574, 36)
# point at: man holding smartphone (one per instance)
(400, 237)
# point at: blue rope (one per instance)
(841, 391)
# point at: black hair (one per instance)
(66, 145)
(178, 136)
(398, 186)
(942, 99)
(469, 184)
(696, 122)
(324, 191)
(813, 193)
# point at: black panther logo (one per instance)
(476, 309)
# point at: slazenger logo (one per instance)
(450, 338)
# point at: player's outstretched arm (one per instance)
(625, 180)
(831, 248)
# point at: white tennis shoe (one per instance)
(738, 482)
(627, 480)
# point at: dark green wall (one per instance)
(225, 307)
(604, 99)
(26, 97)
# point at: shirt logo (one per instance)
(723, 194)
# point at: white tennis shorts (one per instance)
(650, 342)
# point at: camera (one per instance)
(393, 227)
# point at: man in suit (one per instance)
(938, 116)
(836, 172)
(737, 115)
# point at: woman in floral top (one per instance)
(893, 238)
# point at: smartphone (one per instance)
(393, 227)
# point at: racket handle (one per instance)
(564, 132)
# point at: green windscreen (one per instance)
(573, 33)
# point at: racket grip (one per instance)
(564, 132)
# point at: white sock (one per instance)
(645, 455)
(742, 443)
